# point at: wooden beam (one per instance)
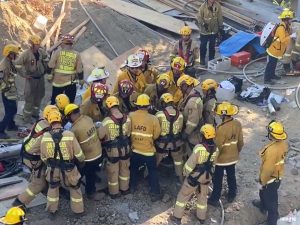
(77, 36)
(62, 10)
(147, 15)
(156, 5)
(52, 29)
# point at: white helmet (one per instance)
(134, 61)
(98, 74)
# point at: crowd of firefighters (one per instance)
(129, 130)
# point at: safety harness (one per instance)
(186, 56)
(60, 163)
(120, 142)
(33, 158)
(206, 167)
(170, 137)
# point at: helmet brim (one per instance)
(282, 136)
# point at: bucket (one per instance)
(40, 22)
(226, 91)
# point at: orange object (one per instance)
(240, 59)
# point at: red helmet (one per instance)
(145, 54)
(98, 92)
(67, 39)
(125, 88)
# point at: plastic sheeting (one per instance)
(238, 41)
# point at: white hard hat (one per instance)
(98, 74)
(134, 61)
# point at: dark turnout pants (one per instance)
(269, 201)
(211, 41)
(270, 68)
(218, 180)
(138, 160)
(10, 110)
(69, 90)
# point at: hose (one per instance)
(222, 209)
(297, 96)
(11, 168)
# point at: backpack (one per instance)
(268, 34)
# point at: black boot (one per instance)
(258, 205)
(175, 220)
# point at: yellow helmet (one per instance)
(276, 130)
(185, 30)
(164, 80)
(209, 84)
(178, 63)
(167, 97)
(286, 14)
(10, 48)
(48, 109)
(54, 116)
(208, 131)
(13, 216)
(143, 100)
(185, 79)
(62, 101)
(70, 108)
(35, 39)
(227, 109)
(112, 101)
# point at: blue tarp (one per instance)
(235, 43)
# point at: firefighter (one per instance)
(8, 89)
(209, 88)
(126, 96)
(210, 19)
(279, 45)
(85, 132)
(32, 64)
(60, 150)
(177, 70)
(61, 101)
(155, 91)
(94, 106)
(133, 73)
(187, 49)
(229, 140)
(191, 107)
(149, 72)
(14, 216)
(145, 129)
(271, 171)
(198, 171)
(100, 75)
(117, 146)
(169, 141)
(30, 153)
(65, 70)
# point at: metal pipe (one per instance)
(10, 151)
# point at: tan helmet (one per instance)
(10, 48)
(209, 84)
(166, 98)
(62, 101)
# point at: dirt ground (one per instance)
(120, 29)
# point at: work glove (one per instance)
(49, 77)
(293, 35)
(205, 26)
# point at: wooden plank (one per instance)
(92, 58)
(52, 29)
(147, 15)
(62, 10)
(77, 36)
(156, 5)
(72, 32)
(13, 190)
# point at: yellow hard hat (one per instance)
(143, 100)
(208, 131)
(35, 39)
(48, 109)
(185, 79)
(209, 84)
(185, 30)
(70, 108)
(178, 63)
(276, 130)
(62, 101)
(167, 97)
(13, 216)
(54, 116)
(227, 109)
(164, 79)
(286, 14)
(10, 48)
(112, 101)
